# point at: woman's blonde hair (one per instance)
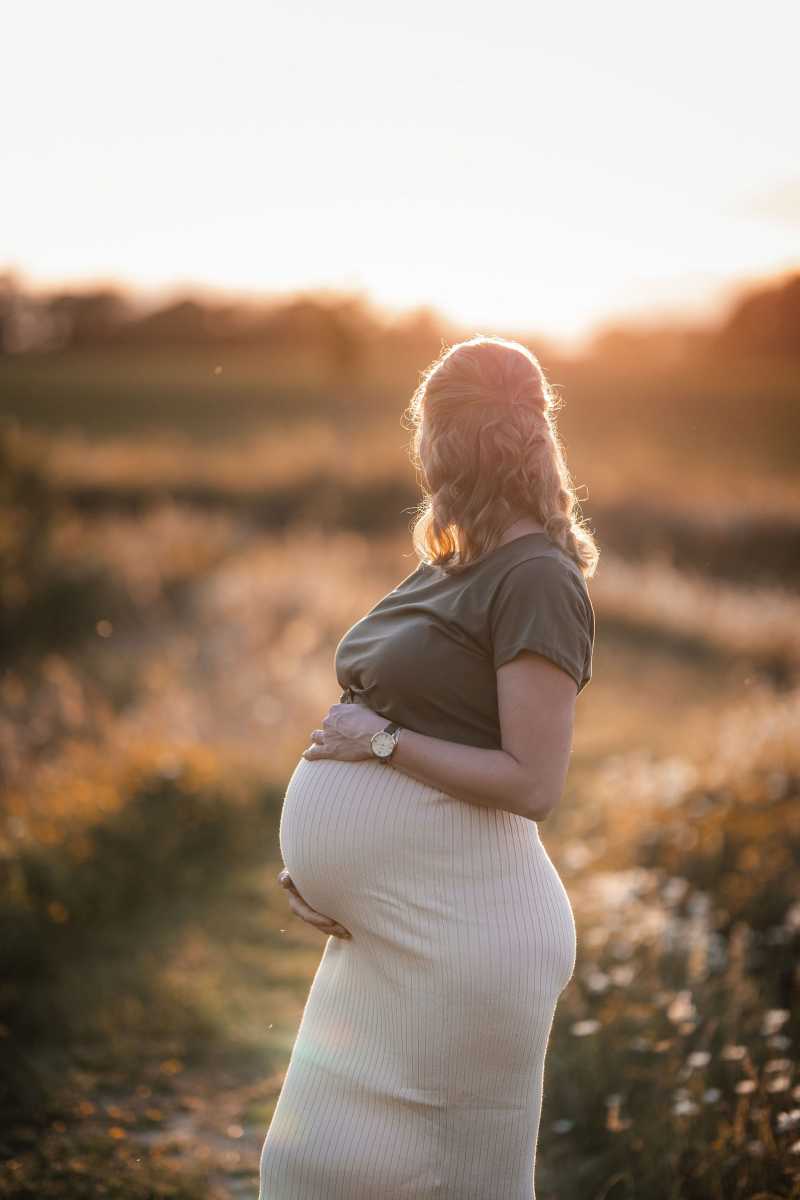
(494, 454)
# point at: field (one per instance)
(184, 540)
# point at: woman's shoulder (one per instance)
(544, 574)
(547, 563)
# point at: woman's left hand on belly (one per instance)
(345, 733)
(299, 906)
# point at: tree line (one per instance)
(762, 320)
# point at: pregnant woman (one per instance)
(409, 830)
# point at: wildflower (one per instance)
(778, 1064)
(774, 1019)
(582, 1028)
(681, 1008)
(699, 903)
(57, 912)
(675, 889)
(615, 1123)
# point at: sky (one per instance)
(518, 166)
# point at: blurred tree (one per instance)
(764, 321)
(419, 334)
(87, 318)
(184, 322)
(638, 345)
(8, 296)
(24, 321)
(336, 331)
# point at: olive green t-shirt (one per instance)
(426, 655)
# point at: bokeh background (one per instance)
(231, 240)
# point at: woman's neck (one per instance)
(521, 526)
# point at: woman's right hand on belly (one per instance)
(299, 906)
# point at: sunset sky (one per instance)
(524, 166)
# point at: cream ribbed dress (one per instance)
(417, 1070)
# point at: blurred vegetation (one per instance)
(686, 1002)
(44, 601)
(98, 886)
(195, 502)
(261, 410)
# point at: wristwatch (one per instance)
(384, 741)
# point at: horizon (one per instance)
(653, 318)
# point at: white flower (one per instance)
(597, 981)
(682, 1008)
(778, 1064)
(582, 1028)
(774, 1018)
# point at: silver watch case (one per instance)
(384, 741)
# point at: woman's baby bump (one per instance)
(387, 856)
(351, 833)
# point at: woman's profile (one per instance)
(409, 828)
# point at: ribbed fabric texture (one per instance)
(418, 1066)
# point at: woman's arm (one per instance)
(536, 703)
(536, 706)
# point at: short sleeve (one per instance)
(542, 605)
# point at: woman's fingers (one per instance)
(304, 910)
(319, 920)
(292, 890)
(323, 923)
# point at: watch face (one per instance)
(383, 743)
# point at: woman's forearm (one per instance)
(492, 778)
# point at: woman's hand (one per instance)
(299, 906)
(345, 733)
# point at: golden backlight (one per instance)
(523, 165)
